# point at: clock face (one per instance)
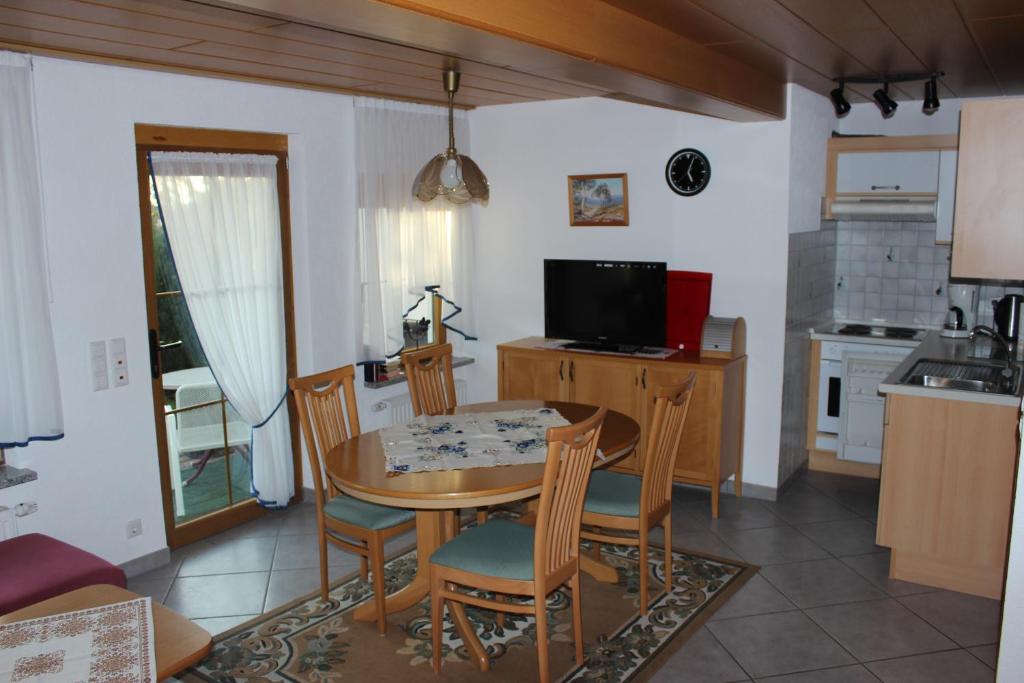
(688, 172)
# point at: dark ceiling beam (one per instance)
(581, 41)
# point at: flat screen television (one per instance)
(606, 302)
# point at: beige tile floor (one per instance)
(821, 610)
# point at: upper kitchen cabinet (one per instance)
(988, 232)
(905, 178)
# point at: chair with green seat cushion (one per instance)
(625, 503)
(327, 421)
(506, 558)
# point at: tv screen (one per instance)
(613, 302)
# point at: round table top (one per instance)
(357, 467)
(177, 378)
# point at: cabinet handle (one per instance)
(643, 378)
(894, 188)
(561, 375)
(572, 371)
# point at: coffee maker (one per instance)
(1006, 315)
(963, 310)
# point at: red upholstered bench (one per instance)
(35, 567)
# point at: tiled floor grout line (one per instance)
(727, 651)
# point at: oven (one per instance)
(830, 392)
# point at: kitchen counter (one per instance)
(937, 347)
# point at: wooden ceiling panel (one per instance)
(988, 9)
(684, 19)
(186, 10)
(543, 87)
(60, 26)
(919, 22)
(1002, 42)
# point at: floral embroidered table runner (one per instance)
(467, 440)
(98, 645)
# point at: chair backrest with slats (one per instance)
(430, 378)
(570, 458)
(326, 403)
(671, 404)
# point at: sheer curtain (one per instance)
(30, 407)
(223, 223)
(406, 244)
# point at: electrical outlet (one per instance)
(133, 528)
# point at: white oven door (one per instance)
(830, 394)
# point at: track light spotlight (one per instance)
(842, 107)
(884, 102)
(931, 97)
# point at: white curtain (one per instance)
(30, 407)
(406, 244)
(223, 224)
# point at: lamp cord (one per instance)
(451, 121)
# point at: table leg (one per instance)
(430, 534)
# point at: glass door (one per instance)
(203, 443)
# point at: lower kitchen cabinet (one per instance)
(711, 448)
(946, 491)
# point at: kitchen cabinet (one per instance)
(988, 224)
(947, 481)
(711, 448)
(888, 172)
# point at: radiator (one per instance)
(401, 406)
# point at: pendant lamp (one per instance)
(454, 176)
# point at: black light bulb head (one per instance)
(839, 102)
(931, 97)
(885, 103)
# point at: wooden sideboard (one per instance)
(711, 449)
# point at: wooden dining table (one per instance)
(357, 468)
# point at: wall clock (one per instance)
(688, 172)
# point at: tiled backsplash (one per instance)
(890, 271)
(812, 271)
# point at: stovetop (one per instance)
(879, 331)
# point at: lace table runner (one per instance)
(98, 645)
(467, 440)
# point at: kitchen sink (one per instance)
(989, 378)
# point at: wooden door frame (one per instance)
(149, 138)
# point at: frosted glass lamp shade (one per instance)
(454, 176)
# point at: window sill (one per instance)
(457, 362)
(12, 476)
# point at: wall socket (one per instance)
(133, 528)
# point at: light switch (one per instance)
(98, 365)
(118, 361)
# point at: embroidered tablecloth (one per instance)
(467, 440)
(99, 645)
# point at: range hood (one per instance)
(922, 209)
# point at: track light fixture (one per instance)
(842, 107)
(931, 97)
(886, 104)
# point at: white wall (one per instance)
(736, 229)
(104, 472)
(812, 121)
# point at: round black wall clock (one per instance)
(688, 172)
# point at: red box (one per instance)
(687, 303)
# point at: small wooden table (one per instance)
(178, 642)
(357, 468)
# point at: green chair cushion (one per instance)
(612, 493)
(497, 548)
(367, 515)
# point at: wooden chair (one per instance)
(323, 416)
(504, 557)
(624, 502)
(431, 383)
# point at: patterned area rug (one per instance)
(309, 641)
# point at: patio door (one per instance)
(202, 441)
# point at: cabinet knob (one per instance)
(643, 378)
(561, 375)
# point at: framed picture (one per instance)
(600, 200)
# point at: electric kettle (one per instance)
(1006, 313)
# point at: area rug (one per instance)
(309, 641)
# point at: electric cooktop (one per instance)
(884, 331)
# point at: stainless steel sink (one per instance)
(989, 378)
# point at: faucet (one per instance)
(989, 332)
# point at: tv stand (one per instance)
(602, 346)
